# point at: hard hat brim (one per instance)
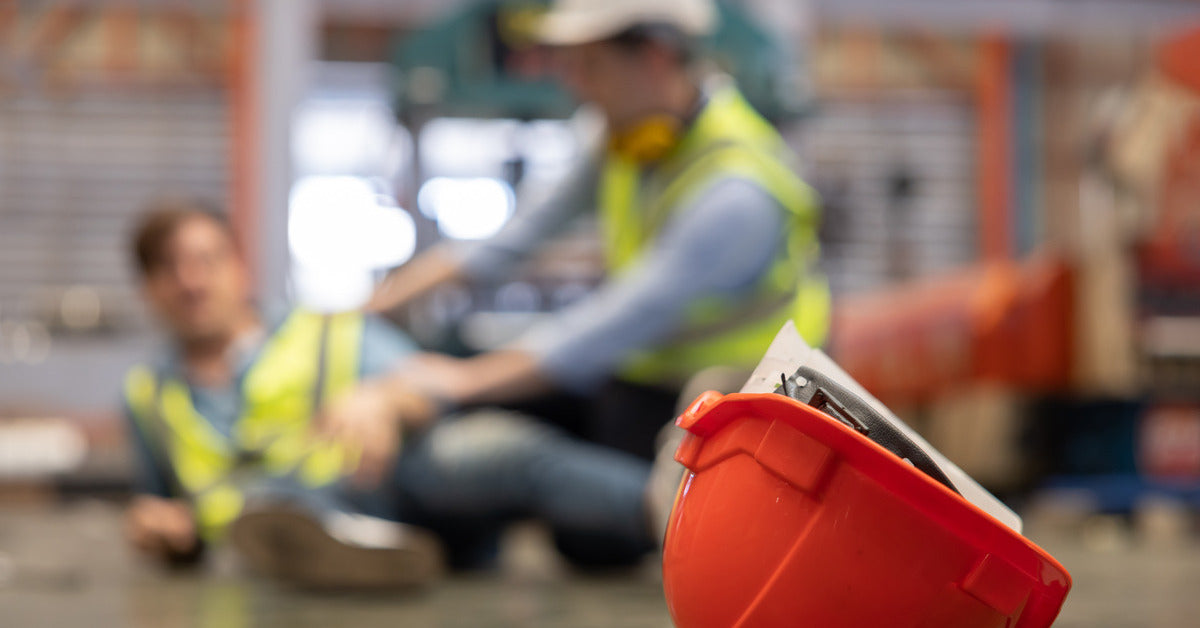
(574, 27)
(566, 28)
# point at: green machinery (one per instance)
(479, 62)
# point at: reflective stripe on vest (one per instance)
(311, 357)
(727, 139)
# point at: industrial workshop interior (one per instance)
(600, 313)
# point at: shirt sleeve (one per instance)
(149, 478)
(383, 347)
(531, 225)
(719, 245)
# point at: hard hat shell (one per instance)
(787, 517)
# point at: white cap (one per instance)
(570, 22)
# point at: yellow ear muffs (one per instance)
(648, 140)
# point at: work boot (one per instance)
(338, 551)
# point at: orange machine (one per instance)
(999, 322)
(1169, 259)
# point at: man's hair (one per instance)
(159, 221)
(685, 46)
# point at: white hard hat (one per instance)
(571, 22)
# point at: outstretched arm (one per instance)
(158, 523)
(719, 246)
(406, 284)
(496, 256)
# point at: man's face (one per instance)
(200, 287)
(613, 78)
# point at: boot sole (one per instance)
(293, 547)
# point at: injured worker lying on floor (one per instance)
(224, 425)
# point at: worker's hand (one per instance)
(441, 376)
(370, 420)
(161, 528)
(498, 376)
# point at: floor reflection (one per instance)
(65, 566)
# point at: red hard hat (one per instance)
(788, 517)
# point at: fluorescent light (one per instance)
(340, 230)
(473, 208)
(342, 136)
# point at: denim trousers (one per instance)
(470, 475)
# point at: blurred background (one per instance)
(1011, 206)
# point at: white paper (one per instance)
(789, 352)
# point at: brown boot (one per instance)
(340, 551)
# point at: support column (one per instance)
(278, 41)
(994, 175)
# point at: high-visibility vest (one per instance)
(728, 138)
(311, 357)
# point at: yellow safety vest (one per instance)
(728, 138)
(309, 358)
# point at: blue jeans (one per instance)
(470, 475)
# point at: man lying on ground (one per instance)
(222, 420)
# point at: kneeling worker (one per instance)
(709, 236)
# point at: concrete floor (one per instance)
(65, 566)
